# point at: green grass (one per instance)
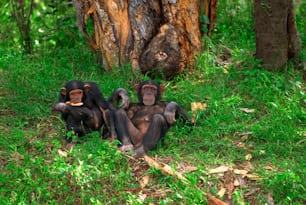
(37, 168)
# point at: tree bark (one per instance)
(277, 38)
(210, 11)
(160, 38)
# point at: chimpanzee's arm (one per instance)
(173, 111)
(78, 113)
(93, 95)
(75, 116)
(120, 94)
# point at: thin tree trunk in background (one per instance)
(22, 12)
(210, 10)
(160, 38)
(277, 39)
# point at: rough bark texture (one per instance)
(277, 39)
(158, 37)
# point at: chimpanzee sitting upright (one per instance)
(143, 124)
(84, 108)
(79, 119)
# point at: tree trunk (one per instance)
(277, 39)
(158, 37)
(22, 11)
(210, 11)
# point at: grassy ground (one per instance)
(248, 145)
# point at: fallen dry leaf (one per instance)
(166, 169)
(268, 167)
(197, 106)
(144, 181)
(141, 197)
(62, 153)
(245, 165)
(221, 192)
(221, 169)
(240, 171)
(236, 182)
(214, 201)
(240, 144)
(190, 169)
(247, 110)
(248, 157)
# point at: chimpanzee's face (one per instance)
(73, 93)
(76, 96)
(149, 93)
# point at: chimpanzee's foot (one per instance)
(139, 151)
(126, 148)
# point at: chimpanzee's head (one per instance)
(149, 92)
(73, 93)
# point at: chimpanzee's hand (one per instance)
(59, 108)
(170, 117)
(125, 98)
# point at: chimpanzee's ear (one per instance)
(136, 87)
(63, 91)
(161, 88)
(86, 87)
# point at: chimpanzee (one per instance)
(143, 124)
(79, 119)
(84, 108)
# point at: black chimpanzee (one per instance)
(79, 119)
(84, 108)
(143, 124)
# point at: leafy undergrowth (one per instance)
(247, 145)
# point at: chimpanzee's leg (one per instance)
(93, 119)
(156, 131)
(75, 125)
(121, 121)
(109, 119)
(74, 118)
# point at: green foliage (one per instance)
(287, 186)
(53, 25)
(300, 9)
(234, 26)
(263, 111)
(65, 176)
